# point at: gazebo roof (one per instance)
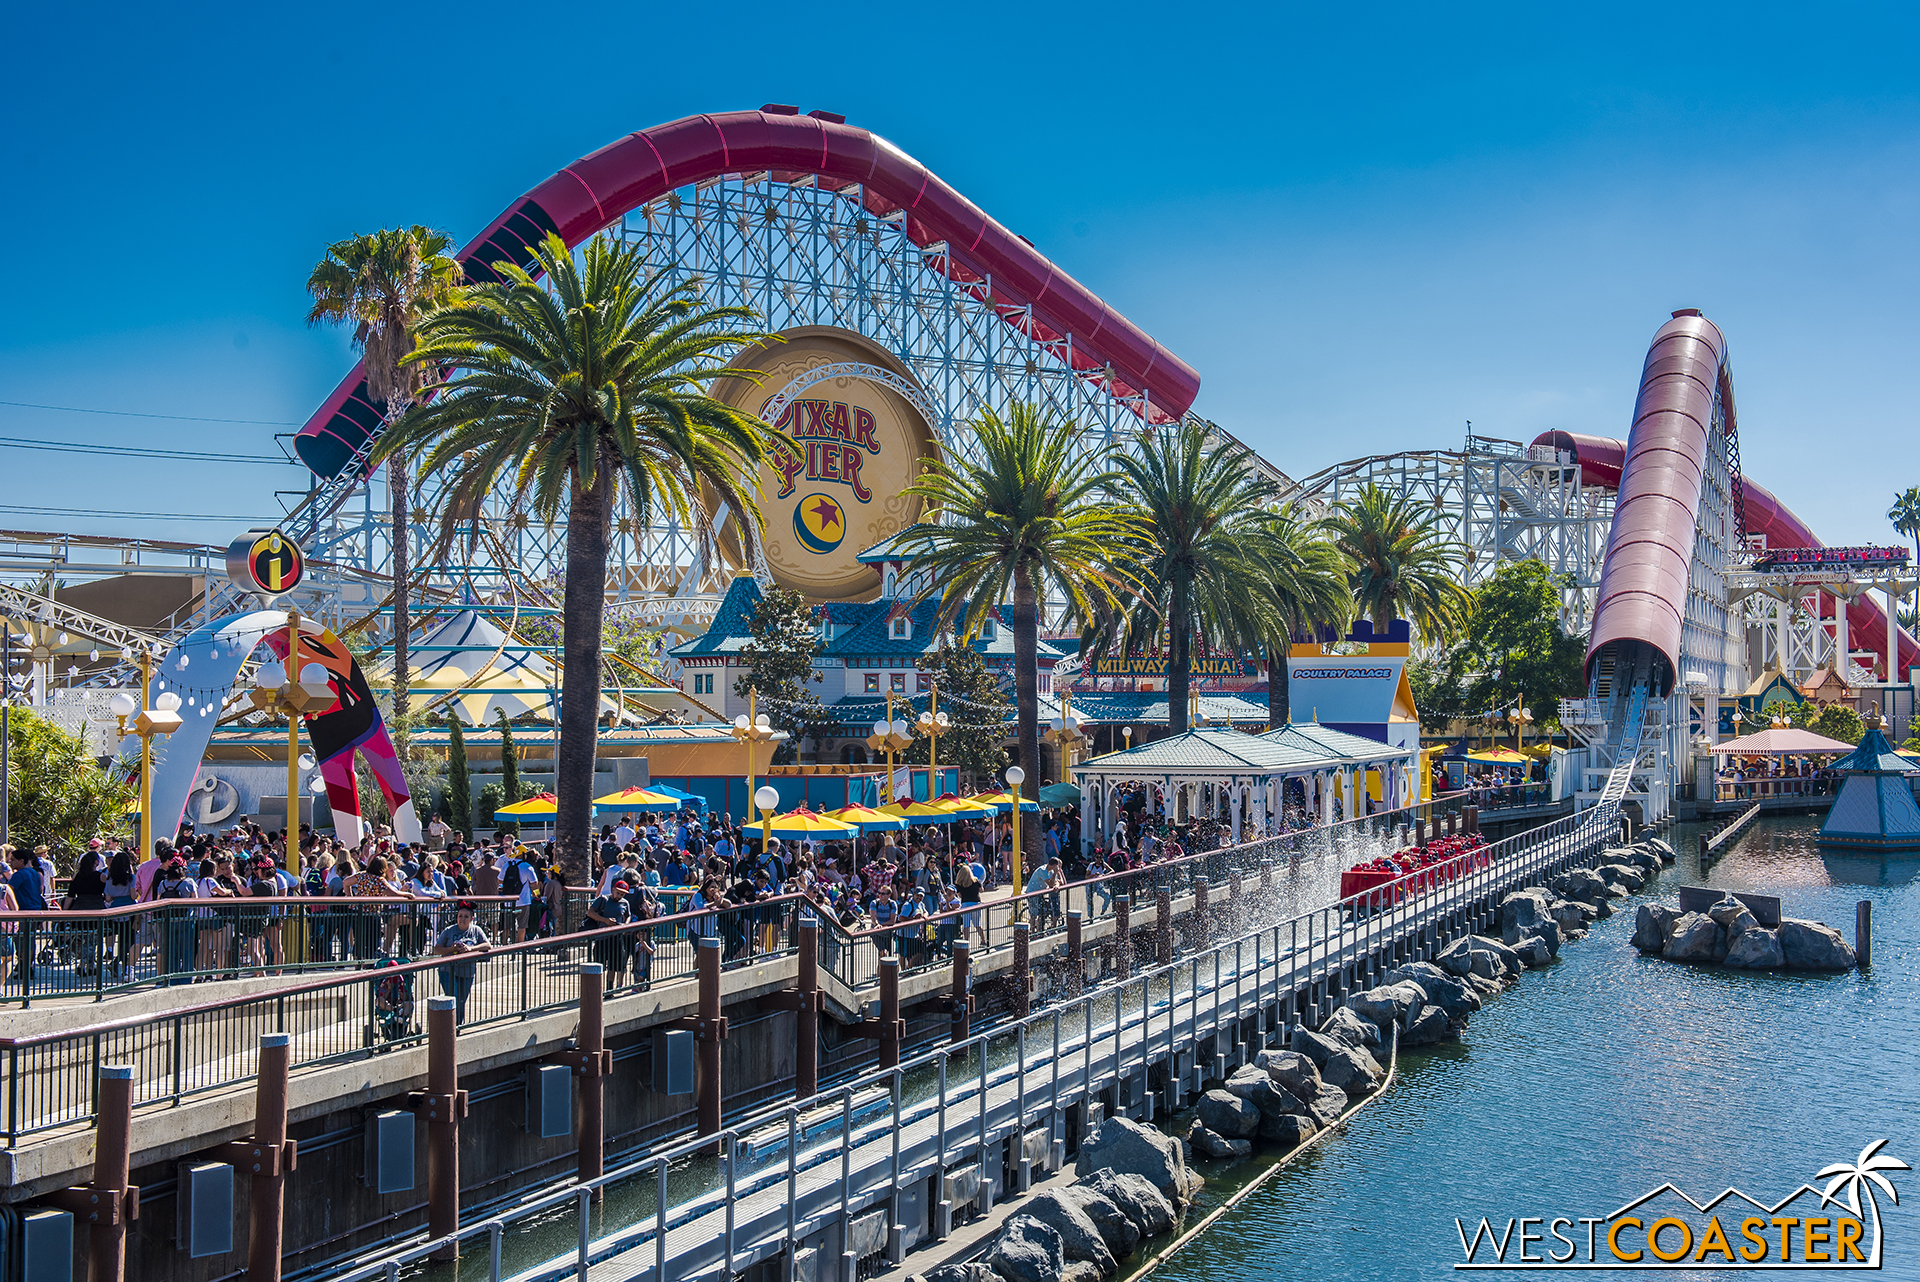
(1876, 754)
(1214, 753)
(1322, 738)
(1790, 740)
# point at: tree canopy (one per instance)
(56, 795)
(779, 666)
(1513, 651)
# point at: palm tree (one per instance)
(1404, 565)
(1029, 516)
(383, 284)
(1307, 578)
(1863, 1174)
(1905, 515)
(1206, 559)
(564, 395)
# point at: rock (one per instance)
(1756, 948)
(1732, 916)
(1547, 932)
(1146, 1206)
(1028, 1251)
(1428, 1027)
(1353, 1071)
(1534, 951)
(1484, 987)
(1811, 945)
(1644, 859)
(1452, 996)
(1388, 1004)
(1080, 1238)
(1126, 1147)
(1651, 926)
(1523, 908)
(1693, 939)
(1254, 1086)
(1624, 877)
(1315, 1047)
(971, 1271)
(1292, 1071)
(1492, 959)
(1117, 1229)
(1659, 848)
(1209, 1144)
(1349, 1028)
(1328, 1105)
(1583, 884)
(1421, 973)
(1082, 1271)
(1603, 909)
(1288, 1130)
(1228, 1114)
(1457, 958)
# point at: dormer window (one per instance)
(989, 629)
(891, 580)
(901, 629)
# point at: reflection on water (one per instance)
(1606, 1074)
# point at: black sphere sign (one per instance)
(266, 561)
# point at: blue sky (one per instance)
(1364, 227)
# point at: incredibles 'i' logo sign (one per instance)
(819, 523)
(275, 562)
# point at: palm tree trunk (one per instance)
(1279, 692)
(583, 612)
(402, 570)
(1179, 659)
(1026, 690)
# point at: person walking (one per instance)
(465, 941)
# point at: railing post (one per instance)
(1163, 926)
(807, 1030)
(1076, 956)
(891, 1030)
(1123, 935)
(960, 997)
(444, 1104)
(112, 1155)
(1022, 971)
(1473, 819)
(711, 1032)
(594, 1063)
(273, 1158)
(1202, 933)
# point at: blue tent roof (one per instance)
(1875, 754)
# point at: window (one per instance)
(899, 683)
(923, 683)
(989, 629)
(901, 629)
(703, 683)
(873, 683)
(888, 590)
(1046, 683)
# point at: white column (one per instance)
(1260, 807)
(1893, 632)
(1234, 796)
(1782, 608)
(1841, 644)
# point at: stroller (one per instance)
(392, 1001)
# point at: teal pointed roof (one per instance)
(731, 628)
(1877, 755)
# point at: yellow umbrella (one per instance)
(1002, 802)
(803, 823)
(867, 819)
(541, 805)
(1497, 757)
(963, 806)
(915, 812)
(636, 799)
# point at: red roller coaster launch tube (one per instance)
(1666, 524)
(998, 267)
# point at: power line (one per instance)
(120, 514)
(177, 418)
(141, 451)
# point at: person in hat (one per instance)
(608, 913)
(465, 940)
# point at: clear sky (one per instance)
(1364, 225)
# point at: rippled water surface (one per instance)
(1605, 1075)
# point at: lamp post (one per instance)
(751, 729)
(277, 691)
(932, 724)
(1521, 719)
(890, 736)
(1127, 733)
(1066, 733)
(160, 719)
(1015, 777)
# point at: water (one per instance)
(1605, 1075)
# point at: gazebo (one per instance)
(1875, 809)
(1241, 778)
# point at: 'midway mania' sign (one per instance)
(1155, 665)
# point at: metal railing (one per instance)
(776, 1175)
(1764, 787)
(49, 1077)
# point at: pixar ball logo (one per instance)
(819, 523)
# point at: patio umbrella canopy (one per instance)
(1498, 757)
(637, 799)
(915, 812)
(801, 823)
(1791, 740)
(961, 806)
(541, 805)
(1002, 802)
(1059, 794)
(867, 819)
